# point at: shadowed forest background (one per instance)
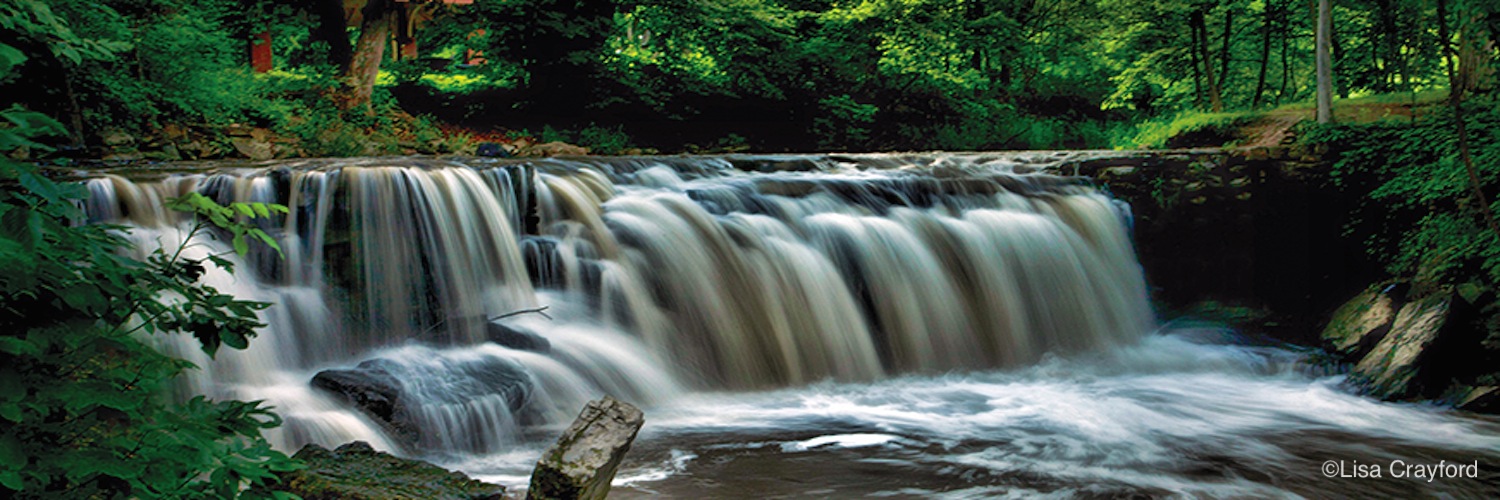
(353, 77)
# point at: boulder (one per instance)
(516, 337)
(371, 388)
(356, 471)
(252, 148)
(556, 148)
(116, 138)
(1391, 367)
(1483, 399)
(584, 460)
(491, 149)
(1360, 324)
(396, 394)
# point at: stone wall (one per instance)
(1258, 227)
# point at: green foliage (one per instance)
(1158, 133)
(843, 122)
(1420, 215)
(80, 389)
(604, 140)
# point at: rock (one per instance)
(356, 471)
(1360, 324)
(1116, 172)
(398, 394)
(1393, 364)
(372, 389)
(1483, 399)
(491, 149)
(516, 338)
(238, 130)
(116, 138)
(584, 460)
(127, 156)
(556, 148)
(252, 148)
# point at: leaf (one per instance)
(18, 346)
(11, 480)
(10, 57)
(11, 455)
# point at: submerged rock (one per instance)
(584, 460)
(356, 471)
(516, 337)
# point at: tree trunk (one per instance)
(1218, 85)
(369, 50)
(1206, 56)
(1267, 23)
(330, 29)
(1456, 87)
(1194, 20)
(1286, 62)
(1325, 61)
(1200, 53)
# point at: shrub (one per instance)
(81, 392)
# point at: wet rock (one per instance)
(396, 394)
(516, 338)
(584, 460)
(1360, 324)
(356, 471)
(371, 388)
(491, 149)
(1391, 367)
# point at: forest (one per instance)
(351, 77)
(1412, 145)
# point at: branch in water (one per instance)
(539, 310)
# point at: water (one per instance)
(954, 325)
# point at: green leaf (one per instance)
(11, 455)
(11, 479)
(18, 346)
(10, 57)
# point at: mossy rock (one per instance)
(356, 471)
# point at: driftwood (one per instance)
(536, 310)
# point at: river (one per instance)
(875, 325)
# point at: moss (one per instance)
(356, 471)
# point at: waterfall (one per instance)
(660, 275)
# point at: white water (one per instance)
(965, 328)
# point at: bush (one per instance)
(1420, 213)
(81, 392)
(1195, 127)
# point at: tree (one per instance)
(1325, 61)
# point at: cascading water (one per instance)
(668, 277)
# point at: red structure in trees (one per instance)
(409, 14)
